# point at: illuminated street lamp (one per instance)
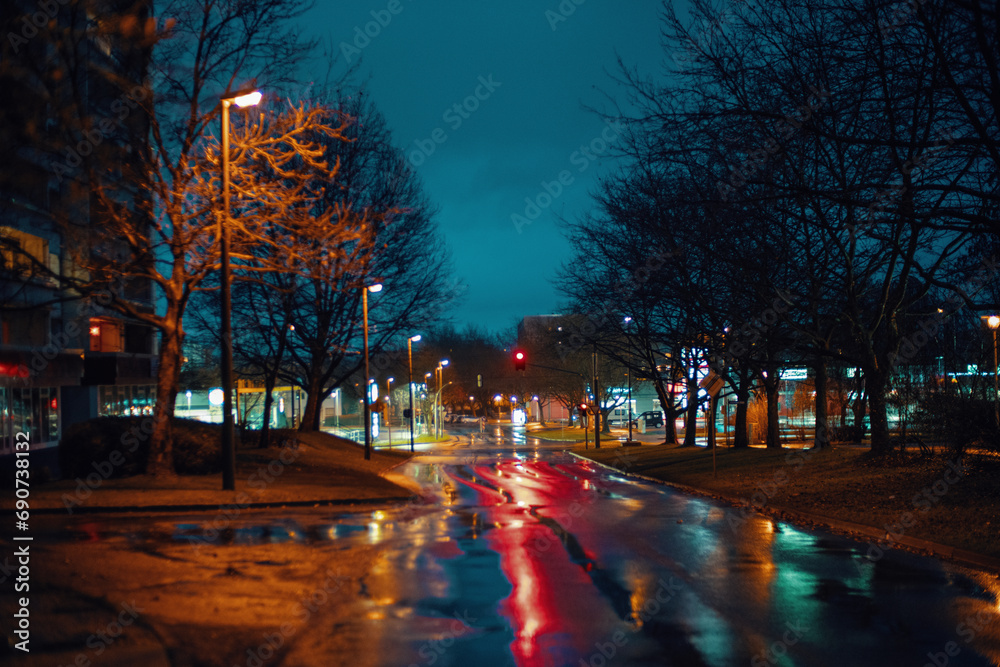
(240, 99)
(388, 407)
(439, 376)
(993, 322)
(377, 287)
(409, 349)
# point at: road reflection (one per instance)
(523, 555)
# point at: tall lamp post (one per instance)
(377, 287)
(409, 349)
(388, 404)
(439, 371)
(993, 322)
(240, 99)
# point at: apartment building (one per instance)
(64, 357)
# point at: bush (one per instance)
(847, 434)
(117, 447)
(957, 421)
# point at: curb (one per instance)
(853, 530)
(111, 509)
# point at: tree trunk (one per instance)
(669, 413)
(876, 384)
(310, 414)
(741, 438)
(161, 455)
(771, 384)
(822, 437)
(691, 421)
(270, 379)
(670, 427)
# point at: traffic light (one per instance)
(520, 360)
(583, 408)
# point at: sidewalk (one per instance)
(321, 469)
(113, 587)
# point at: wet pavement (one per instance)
(521, 554)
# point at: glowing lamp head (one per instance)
(993, 321)
(414, 339)
(248, 100)
(377, 287)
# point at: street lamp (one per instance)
(628, 375)
(409, 349)
(240, 99)
(377, 287)
(993, 322)
(388, 404)
(439, 375)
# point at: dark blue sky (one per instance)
(521, 87)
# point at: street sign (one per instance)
(712, 383)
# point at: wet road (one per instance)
(520, 554)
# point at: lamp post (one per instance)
(439, 374)
(241, 99)
(993, 322)
(409, 349)
(628, 375)
(377, 287)
(388, 403)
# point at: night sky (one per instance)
(532, 82)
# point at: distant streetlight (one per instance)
(240, 99)
(993, 322)
(377, 287)
(439, 376)
(409, 349)
(388, 407)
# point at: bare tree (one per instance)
(150, 180)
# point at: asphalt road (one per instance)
(520, 554)
(524, 555)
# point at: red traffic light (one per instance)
(520, 360)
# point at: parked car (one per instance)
(654, 418)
